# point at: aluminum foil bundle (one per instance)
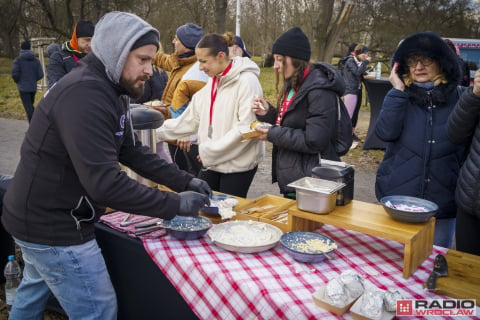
(336, 293)
(353, 283)
(372, 304)
(390, 299)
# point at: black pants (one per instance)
(235, 184)
(28, 98)
(357, 108)
(467, 233)
(186, 160)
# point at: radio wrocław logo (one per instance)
(436, 307)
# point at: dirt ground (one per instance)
(364, 161)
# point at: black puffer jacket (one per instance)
(62, 62)
(464, 127)
(308, 127)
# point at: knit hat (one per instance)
(240, 44)
(293, 43)
(84, 29)
(25, 45)
(189, 34)
(151, 37)
(427, 44)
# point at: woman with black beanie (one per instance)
(304, 122)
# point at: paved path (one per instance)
(12, 133)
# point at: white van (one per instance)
(470, 52)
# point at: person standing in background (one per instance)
(419, 160)
(180, 88)
(463, 127)
(26, 71)
(63, 61)
(353, 71)
(239, 49)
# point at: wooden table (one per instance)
(372, 219)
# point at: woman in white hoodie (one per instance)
(217, 113)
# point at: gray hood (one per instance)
(115, 34)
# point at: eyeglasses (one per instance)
(425, 61)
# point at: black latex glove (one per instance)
(200, 186)
(191, 202)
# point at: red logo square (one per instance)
(404, 307)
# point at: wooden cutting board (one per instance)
(463, 280)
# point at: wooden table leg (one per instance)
(418, 249)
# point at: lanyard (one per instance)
(289, 96)
(213, 96)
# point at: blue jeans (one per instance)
(444, 231)
(76, 275)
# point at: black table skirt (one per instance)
(376, 90)
(143, 291)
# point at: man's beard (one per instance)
(134, 92)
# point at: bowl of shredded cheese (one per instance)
(409, 209)
(308, 247)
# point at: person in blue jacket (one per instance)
(419, 160)
(26, 71)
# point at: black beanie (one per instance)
(25, 45)
(84, 29)
(151, 37)
(293, 43)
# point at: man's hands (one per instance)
(200, 186)
(191, 202)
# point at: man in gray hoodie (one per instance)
(69, 173)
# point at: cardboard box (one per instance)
(321, 301)
(248, 133)
(355, 310)
(277, 219)
(263, 205)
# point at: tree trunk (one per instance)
(220, 15)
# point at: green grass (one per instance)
(11, 106)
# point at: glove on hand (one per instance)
(191, 202)
(200, 186)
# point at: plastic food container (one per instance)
(316, 195)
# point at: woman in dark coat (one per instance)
(304, 122)
(419, 160)
(464, 127)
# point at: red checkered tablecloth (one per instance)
(218, 284)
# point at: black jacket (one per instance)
(61, 62)
(308, 127)
(69, 167)
(352, 74)
(26, 71)
(463, 127)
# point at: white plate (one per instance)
(245, 236)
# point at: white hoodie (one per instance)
(224, 151)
